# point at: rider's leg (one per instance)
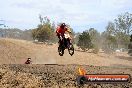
(60, 42)
(65, 42)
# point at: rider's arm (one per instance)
(68, 29)
(58, 32)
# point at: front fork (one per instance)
(69, 43)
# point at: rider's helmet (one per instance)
(63, 25)
(29, 58)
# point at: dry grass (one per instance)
(16, 51)
(12, 51)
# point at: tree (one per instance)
(85, 41)
(130, 46)
(109, 42)
(110, 28)
(76, 37)
(44, 30)
(124, 23)
(120, 29)
(34, 34)
(53, 27)
(131, 38)
(95, 37)
(44, 33)
(123, 29)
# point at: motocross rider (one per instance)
(61, 30)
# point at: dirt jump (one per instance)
(48, 69)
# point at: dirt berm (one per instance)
(55, 76)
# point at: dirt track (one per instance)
(55, 76)
(17, 51)
(49, 55)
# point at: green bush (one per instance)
(84, 41)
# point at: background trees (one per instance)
(121, 29)
(124, 23)
(16, 33)
(116, 35)
(44, 30)
(84, 41)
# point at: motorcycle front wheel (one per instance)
(71, 50)
(61, 51)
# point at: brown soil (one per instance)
(54, 76)
(64, 74)
(14, 51)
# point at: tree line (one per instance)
(16, 33)
(116, 35)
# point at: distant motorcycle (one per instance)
(65, 44)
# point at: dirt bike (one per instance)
(65, 44)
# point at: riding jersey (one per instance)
(60, 31)
(64, 32)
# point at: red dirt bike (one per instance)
(65, 43)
